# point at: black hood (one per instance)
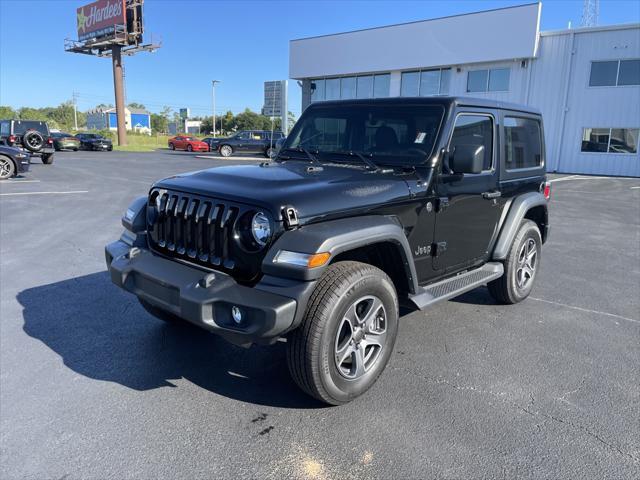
(326, 192)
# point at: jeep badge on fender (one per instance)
(322, 244)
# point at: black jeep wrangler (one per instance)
(370, 205)
(30, 135)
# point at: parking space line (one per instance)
(44, 193)
(573, 307)
(9, 182)
(634, 188)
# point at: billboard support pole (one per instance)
(118, 86)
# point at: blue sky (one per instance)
(241, 43)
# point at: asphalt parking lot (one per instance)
(93, 387)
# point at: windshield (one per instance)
(390, 134)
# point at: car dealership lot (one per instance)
(93, 387)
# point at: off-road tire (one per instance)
(47, 158)
(505, 289)
(310, 348)
(35, 137)
(159, 313)
(7, 168)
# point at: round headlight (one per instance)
(261, 228)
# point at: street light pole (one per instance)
(213, 90)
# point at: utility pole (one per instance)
(118, 85)
(213, 90)
(75, 110)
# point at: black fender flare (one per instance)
(517, 211)
(335, 237)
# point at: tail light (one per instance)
(546, 190)
(12, 138)
(50, 141)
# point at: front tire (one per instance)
(347, 333)
(47, 158)
(172, 146)
(189, 148)
(520, 267)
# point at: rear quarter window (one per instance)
(522, 143)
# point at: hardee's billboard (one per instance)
(98, 19)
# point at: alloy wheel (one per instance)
(361, 337)
(527, 263)
(5, 168)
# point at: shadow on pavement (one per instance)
(103, 333)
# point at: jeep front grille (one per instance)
(200, 230)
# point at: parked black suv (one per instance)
(94, 141)
(30, 135)
(246, 141)
(369, 204)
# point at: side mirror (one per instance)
(467, 158)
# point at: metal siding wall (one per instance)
(546, 90)
(616, 107)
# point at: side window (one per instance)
(4, 128)
(522, 143)
(476, 130)
(244, 136)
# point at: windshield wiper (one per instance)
(300, 149)
(366, 160)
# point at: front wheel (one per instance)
(47, 158)
(269, 152)
(226, 150)
(172, 146)
(520, 267)
(189, 148)
(347, 333)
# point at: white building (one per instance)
(586, 81)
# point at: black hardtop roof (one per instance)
(447, 102)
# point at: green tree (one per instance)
(159, 123)
(137, 105)
(7, 112)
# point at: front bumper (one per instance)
(206, 299)
(23, 164)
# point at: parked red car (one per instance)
(190, 144)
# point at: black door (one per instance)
(468, 207)
(242, 141)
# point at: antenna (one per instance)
(590, 13)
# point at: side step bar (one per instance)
(454, 286)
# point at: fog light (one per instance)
(236, 313)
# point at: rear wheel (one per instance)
(269, 152)
(347, 333)
(7, 168)
(226, 150)
(520, 267)
(47, 158)
(189, 148)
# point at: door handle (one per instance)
(490, 195)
